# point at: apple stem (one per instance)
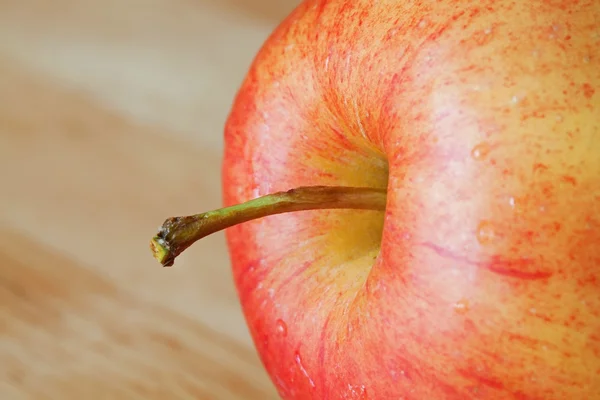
(179, 233)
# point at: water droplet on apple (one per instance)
(485, 232)
(559, 118)
(488, 31)
(360, 391)
(532, 311)
(511, 202)
(480, 151)
(281, 327)
(298, 359)
(462, 306)
(586, 59)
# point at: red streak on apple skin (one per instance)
(472, 376)
(295, 276)
(588, 90)
(509, 268)
(523, 396)
(570, 180)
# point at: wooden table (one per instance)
(111, 118)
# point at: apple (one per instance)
(412, 200)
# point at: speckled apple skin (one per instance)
(481, 280)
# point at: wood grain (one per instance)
(67, 332)
(111, 118)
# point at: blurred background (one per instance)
(111, 120)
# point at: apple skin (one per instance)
(481, 280)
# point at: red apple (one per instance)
(481, 279)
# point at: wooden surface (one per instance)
(111, 118)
